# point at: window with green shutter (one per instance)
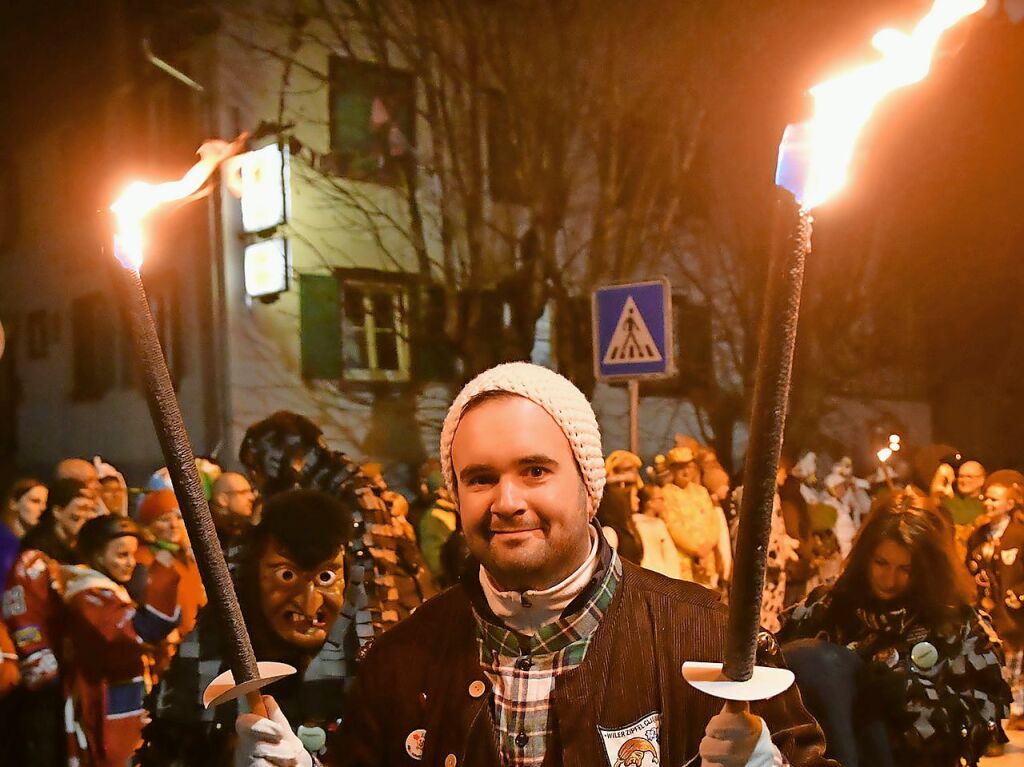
(320, 321)
(355, 326)
(372, 121)
(375, 331)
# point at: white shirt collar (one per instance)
(526, 611)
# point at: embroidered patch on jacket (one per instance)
(14, 602)
(1009, 556)
(635, 745)
(27, 636)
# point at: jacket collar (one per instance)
(79, 578)
(470, 582)
(456, 697)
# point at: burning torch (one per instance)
(814, 160)
(885, 454)
(139, 200)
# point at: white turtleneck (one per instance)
(526, 611)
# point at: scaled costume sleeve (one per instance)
(953, 705)
(963, 696)
(805, 619)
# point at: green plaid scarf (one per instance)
(523, 670)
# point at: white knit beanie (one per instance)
(558, 396)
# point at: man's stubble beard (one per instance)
(530, 576)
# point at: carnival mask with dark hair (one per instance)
(300, 601)
(300, 565)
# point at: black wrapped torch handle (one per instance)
(181, 465)
(767, 424)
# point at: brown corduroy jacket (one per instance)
(424, 674)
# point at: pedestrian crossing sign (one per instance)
(633, 330)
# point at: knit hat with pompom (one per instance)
(560, 399)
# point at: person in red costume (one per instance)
(165, 544)
(111, 637)
(33, 612)
(31, 608)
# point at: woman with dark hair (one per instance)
(24, 503)
(892, 660)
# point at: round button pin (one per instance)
(414, 743)
(476, 689)
(924, 655)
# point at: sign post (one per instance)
(632, 325)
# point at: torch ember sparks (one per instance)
(140, 198)
(815, 156)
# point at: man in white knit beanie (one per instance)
(550, 650)
(532, 531)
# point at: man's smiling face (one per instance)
(521, 497)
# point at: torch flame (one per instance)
(844, 104)
(140, 199)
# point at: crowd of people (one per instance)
(914, 596)
(899, 604)
(107, 641)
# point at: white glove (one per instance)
(39, 669)
(268, 742)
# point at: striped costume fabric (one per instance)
(523, 670)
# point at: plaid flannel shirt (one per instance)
(523, 670)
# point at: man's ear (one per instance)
(220, 500)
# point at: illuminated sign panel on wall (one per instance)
(266, 188)
(266, 267)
